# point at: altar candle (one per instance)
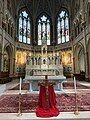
(20, 84)
(75, 84)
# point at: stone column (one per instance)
(85, 49)
(14, 57)
(0, 60)
(73, 69)
(58, 60)
(10, 29)
(2, 52)
(30, 61)
(34, 56)
(1, 15)
(14, 65)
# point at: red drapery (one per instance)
(42, 110)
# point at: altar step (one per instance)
(85, 115)
(2, 88)
(9, 85)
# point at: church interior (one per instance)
(44, 52)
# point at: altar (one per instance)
(42, 63)
(34, 80)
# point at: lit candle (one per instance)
(20, 84)
(75, 84)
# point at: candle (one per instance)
(75, 84)
(20, 84)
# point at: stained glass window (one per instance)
(24, 28)
(63, 27)
(43, 30)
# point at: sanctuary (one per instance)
(40, 64)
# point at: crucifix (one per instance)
(46, 84)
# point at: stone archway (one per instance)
(5, 61)
(79, 60)
(8, 58)
(88, 57)
(0, 13)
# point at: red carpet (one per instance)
(65, 102)
(70, 85)
(66, 85)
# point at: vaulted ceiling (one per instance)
(51, 7)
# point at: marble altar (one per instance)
(44, 63)
(34, 80)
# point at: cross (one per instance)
(46, 84)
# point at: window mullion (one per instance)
(22, 27)
(61, 29)
(41, 31)
(64, 30)
(26, 28)
(46, 30)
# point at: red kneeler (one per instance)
(47, 108)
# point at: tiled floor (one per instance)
(32, 116)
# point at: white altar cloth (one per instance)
(33, 80)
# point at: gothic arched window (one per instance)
(43, 30)
(63, 27)
(24, 28)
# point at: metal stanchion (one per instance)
(19, 106)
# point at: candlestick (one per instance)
(19, 106)
(76, 112)
(75, 84)
(20, 85)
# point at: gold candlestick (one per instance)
(19, 110)
(76, 112)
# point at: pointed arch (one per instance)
(24, 27)
(79, 55)
(88, 57)
(8, 65)
(63, 26)
(81, 60)
(44, 29)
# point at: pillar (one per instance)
(85, 49)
